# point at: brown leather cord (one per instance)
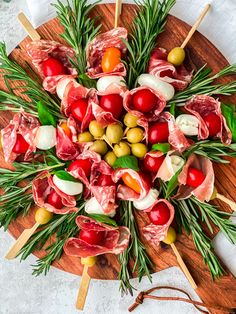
(145, 295)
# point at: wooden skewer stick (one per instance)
(195, 26)
(83, 289)
(226, 200)
(118, 12)
(20, 242)
(30, 30)
(183, 266)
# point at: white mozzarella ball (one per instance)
(169, 167)
(68, 187)
(177, 163)
(61, 86)
(104, 82)
(45, 137)
(188, 124)
(149, 80)
(147, 201)
(93, 207)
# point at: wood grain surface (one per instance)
(199, 51)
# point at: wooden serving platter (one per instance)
(199, 51)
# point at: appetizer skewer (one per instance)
(118, 11)
(30, 30)
(221, 197)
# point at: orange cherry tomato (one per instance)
(66, 129)
(131, 183)
(110, 59)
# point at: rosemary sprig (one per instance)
(202, 85)
(136, 250)
(147, 25)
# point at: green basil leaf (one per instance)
(165, 147)
(229, 112)
(172, 184)
(130, 162)
(86, 81)
(63, 175)
(45, 117)
(172, 109)
(104, 219)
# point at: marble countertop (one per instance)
(20, 292)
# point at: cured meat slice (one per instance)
(24, 124)
(126, 193)
(73, 92)
(65, 148)
(202, 105)
(154, 234)
(42, 186)
(115, 239)
(178, 77)
(97, 47)
(105, 195)
(41, 50)
(205, 190)
(150, 116)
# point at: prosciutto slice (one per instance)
(205, 190)
(115, 239)
(126, 193)
(42, 186)
(97, 47)
(24, 124)
(105, 195)
(41, 50)
(154, 234)
(202, 105)
(65, 148)
(178, 77)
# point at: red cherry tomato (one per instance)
(158, 133)
(213, 123)
(112, 103)
(144, 100)
(104, 180)
(160, 214)
(84, 164)
(21, 146)
(195, 177)
(90, 236)
(79, 109)
(152, 164)
(52, 67)
(55, 200)
(110, 59)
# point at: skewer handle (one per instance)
(195, 26)
(83, 289)
(28, 27)
(184, 267)
(118, 12)
(21, 241)
(227, 201)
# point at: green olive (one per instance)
(135, 135)
(99, 147)
(139, 150)
(43, 216)
(176, 56)
(130, 120)
(110, 158)
(96, 129)
(170, 236)
(121, 149)
(114, 133)
(85, 137)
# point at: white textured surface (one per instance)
(20, 293)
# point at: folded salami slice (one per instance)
(178, 77)
(126, 193)
(154, 234)
(105, 195)
(202, 105)
(73, 92)
(98, 46)
(41, 50)
(150, 116)
(65, 148)
(42, 186)
(115, 239)
(24, 124)
(205, 190)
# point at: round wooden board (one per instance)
(199, 51)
